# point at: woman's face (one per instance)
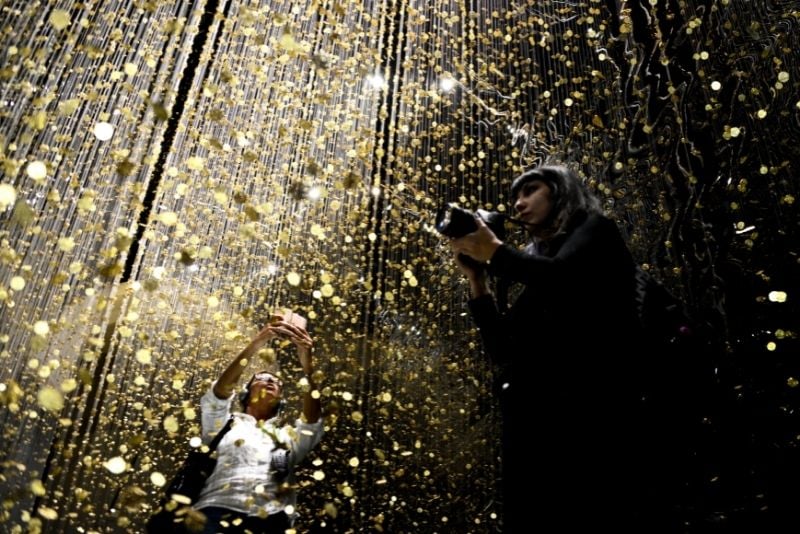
(533, 202)
(265, 385)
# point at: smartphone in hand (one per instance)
(290, 317)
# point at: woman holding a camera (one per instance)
(567, 355)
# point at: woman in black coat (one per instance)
(567, 359)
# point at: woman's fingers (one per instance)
(292, 332)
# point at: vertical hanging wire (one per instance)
(65, 475)
(71, 357)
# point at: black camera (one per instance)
(452, 221)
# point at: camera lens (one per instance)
(443, 221)
(453, 221)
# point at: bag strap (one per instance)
(214, 442)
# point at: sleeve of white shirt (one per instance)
(215, 413)
(308, 436)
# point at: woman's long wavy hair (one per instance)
(569, 196)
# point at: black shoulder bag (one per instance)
(186, 485)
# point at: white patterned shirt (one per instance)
(243, 480)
